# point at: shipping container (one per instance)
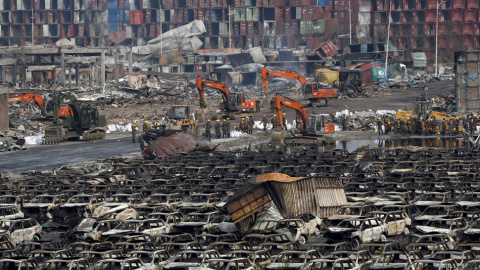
(240, 14)
(321, 3)
(473, 4)
(459, 4)
(471, 15)
(253, 14)
(467, 83)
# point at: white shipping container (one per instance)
(146, 4)
(76, 5)
(364, 18)
(160, 17)
(222, 29)
(1, 5)
(298, 13)
(128, 30)
(46, 32)
(19, 5)
(76, 17)
(48, 4)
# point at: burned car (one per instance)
(82, 205)
(43, 205)
(358, 230)
(298, 230)
(21, 230)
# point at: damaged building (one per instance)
(289, 196)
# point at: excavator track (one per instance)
(95, 134)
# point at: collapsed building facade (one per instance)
(243, 24)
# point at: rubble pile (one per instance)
(134, 209)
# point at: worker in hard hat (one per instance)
(264, 122)
(284, 121)
(257, 105)
(251, 122)
(218, 129)
(208, 133)
(224, 128)
(228, 127)
(380, 126)
(134, 131)
(145, 126)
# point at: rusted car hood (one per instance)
(340, 230)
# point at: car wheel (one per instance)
(406, 231)
(355, 242)
(36, 238)
(383, 238)
(302, 240)
(316, 231)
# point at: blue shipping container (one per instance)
(112, 3)
(114, 15)
(127, 15)
(322, 3)
(127, 4)
(114, 26)
(363, 48)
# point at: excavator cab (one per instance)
(317, 125)
(314, 91)
(179, 112)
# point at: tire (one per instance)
(317, 231)
(383, 238)
(36, 238)
(406, 231)
(356, 242)
(302, 240)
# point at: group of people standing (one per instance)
(222, 129)
(246, 124)
(450, 125)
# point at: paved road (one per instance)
(43, 157)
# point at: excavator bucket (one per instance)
(53, 135)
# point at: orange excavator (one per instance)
(280, 73)
(312, 128)
(313, 92)
(307, 125)
(233, 104)
(43, 104)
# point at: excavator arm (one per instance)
(27, 96)
(280, 73)
(293, 104)
(215, 85)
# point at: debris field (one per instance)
(406, 206)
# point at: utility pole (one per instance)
(33, 21)
(388, 38)
(350, 19)
(230, 13)
(436, 40)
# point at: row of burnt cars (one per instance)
(408, 209)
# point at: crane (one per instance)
(233, 103)
(43, 104)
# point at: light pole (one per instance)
(33, 21)
(350, 20)
(436, 40)
(388, 39)
(230, 13)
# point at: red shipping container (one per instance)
(136, 17)
(442, 29)
(415, 17)
(81, 30)
(148, 16)
(317, 13)
(94, 5)
(250, 29)
(278, 3)
(432, 4)
(140, 32)
(121, 3)
(294, 3)
(243, 28)
(457, 15)
(418, 4)
(442, 44)
(307, 2)
(431, 16)
(467, 42)
(50, 17)
(476, 29)
(458, 4)
(467, 29)
(457, 28)
(400, 44)
(153, 30)
(102, 4)
(280, 14)
(405, 5)
(71, 30)
(472, 4)
(471, 15)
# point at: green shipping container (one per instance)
(318, 27)
(305, 27)
(419, 60)
(253, 14)
(240, 15)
